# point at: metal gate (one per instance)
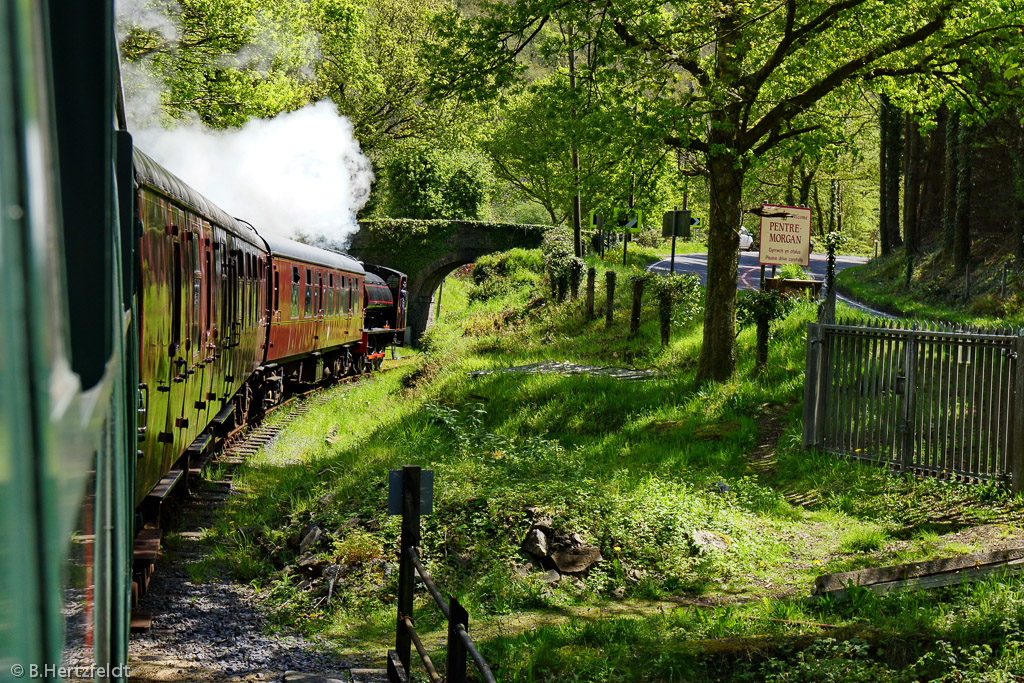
(932, 400)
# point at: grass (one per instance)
(634, 468)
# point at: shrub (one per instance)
(564, 269)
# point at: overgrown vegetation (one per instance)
(938, 290)
(645, 470)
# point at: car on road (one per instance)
(746, 240)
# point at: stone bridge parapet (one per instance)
(428, 250)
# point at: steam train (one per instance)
(229, 317)
(137, 322)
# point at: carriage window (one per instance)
(176, 315)
(277, 293)
(309, 294)
(320, 291)
(296, 281)
(209, 296)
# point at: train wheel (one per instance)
(378, 363)
(359, 364)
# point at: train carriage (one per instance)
(202, 289)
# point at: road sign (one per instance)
(680, 220)
(395, 492)
(785, 235)
(695, 222)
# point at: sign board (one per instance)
(395, 492)
(695, 222)
(596, 221)
(682, 223)
(785, 235)
(632, 221)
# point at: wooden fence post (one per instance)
(665, 315)
(406, 568)
(638, 295)
(1017, 449)
(456, 663)
(609, 288)
(591, 276)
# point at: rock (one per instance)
(706, 542)
(544, 523)
(463, 560)
(310, 539)
(619, 592)
(576, 559)
(536, 543)
(551, 577)
(576, 539)
(719, 487)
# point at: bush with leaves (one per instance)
(564, 269)
(760, 306)
(685, 292)
(431, 183)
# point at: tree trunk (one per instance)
(891, 173)
(883, 160)
(718, 351)
(933, 180)
(609, 288)
(638, 299)
(951, 181)
(962, 236)
(1018, 226)
(912, 187)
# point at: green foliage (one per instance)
(500, 274)
(761, 306)
(563, 268)
(791, 271)
(429, 184)
(686, 292)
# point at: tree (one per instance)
(372, 64)
(223, 60)
(760, 70)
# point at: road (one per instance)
(750, 269)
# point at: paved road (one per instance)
(750, 269)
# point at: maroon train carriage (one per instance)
(202, 307)
(316, 314)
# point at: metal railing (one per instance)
(933, 400)
(410, 564)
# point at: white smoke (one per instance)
(298, 173)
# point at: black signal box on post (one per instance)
(677, 220)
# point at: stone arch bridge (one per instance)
(428, 250)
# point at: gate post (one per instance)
(812, 386)
(909, 402)
(1017, 406)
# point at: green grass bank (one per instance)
(641, 469)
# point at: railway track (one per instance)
(197, 627)
(233, 450)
